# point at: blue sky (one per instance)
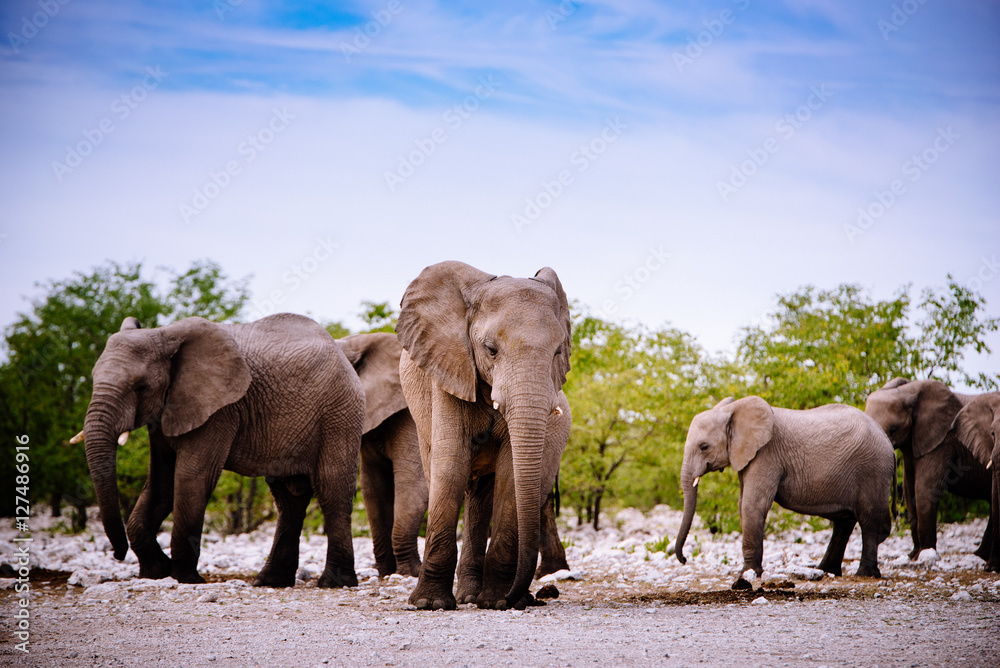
(673, 162)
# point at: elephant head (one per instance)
(977, 426)
(504, 342)
(171, 378)
(375, 357)
(914, 414)
(730, 434)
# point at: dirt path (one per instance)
(856, 622)
(631, 605)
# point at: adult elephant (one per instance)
(392, 477)
(917, 416)
(275, 398)
(832, 461)
(977, 426)
(484, 362)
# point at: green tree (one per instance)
(952, 324)
(827, 346)
(49, 352)
(633, 393)
(378, 316)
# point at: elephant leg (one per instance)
(450, 468)
(756, 496)
(478, 509)
(910, 500)
(500, 563)
(283, 561)
(991, 537)
(195, 477)
(833, 560)
(928, 489)
(410, 494)
(378, 493)
(154, 504)
(334, 483)
(553, 552)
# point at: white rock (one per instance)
(103, 589)
(85, 578)
(564, 574)
(928, 557)
(210, 597)
(961, 595)
(145, 584)
(760, 600)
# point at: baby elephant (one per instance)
(833, 461)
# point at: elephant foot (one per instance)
(832, 569)
(409, 569)
(983, 551)
(337, 577)
(913, 553)
(273, 579)
(468, 590)
(868, 571)
(992, 566)
(742, 584)
(384, 569)
(440, 602)
(156, 569)
(188, 577)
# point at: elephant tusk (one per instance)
(695, 483)
(76, 439)
(496, 405)
(989, 463)
(557, 410)
(123, 439)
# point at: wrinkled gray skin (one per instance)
(832, 461)
(917, 416)
(392, 477)
(273, 398)
(977, 427)
(484, 363)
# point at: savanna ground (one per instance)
(624, 602)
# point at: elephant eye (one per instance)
(558, 351)
(141, 386)
(491, 349)
(703, 447)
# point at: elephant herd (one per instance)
(463, 406)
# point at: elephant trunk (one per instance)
(689, 487)
(101, 429)
(527, 419)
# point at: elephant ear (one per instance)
(724, 402)
(895, 382)
(750, 428)
(934, 409)
(130, 323)
(972, 425)
(376, 359)
(207, 372)
(433, 325)
(561, 365)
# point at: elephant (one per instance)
(484, 361)
(392, 477)
(275, 397)
(976, 426)
(917, 416)
(832, 461)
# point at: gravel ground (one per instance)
(621, 604)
